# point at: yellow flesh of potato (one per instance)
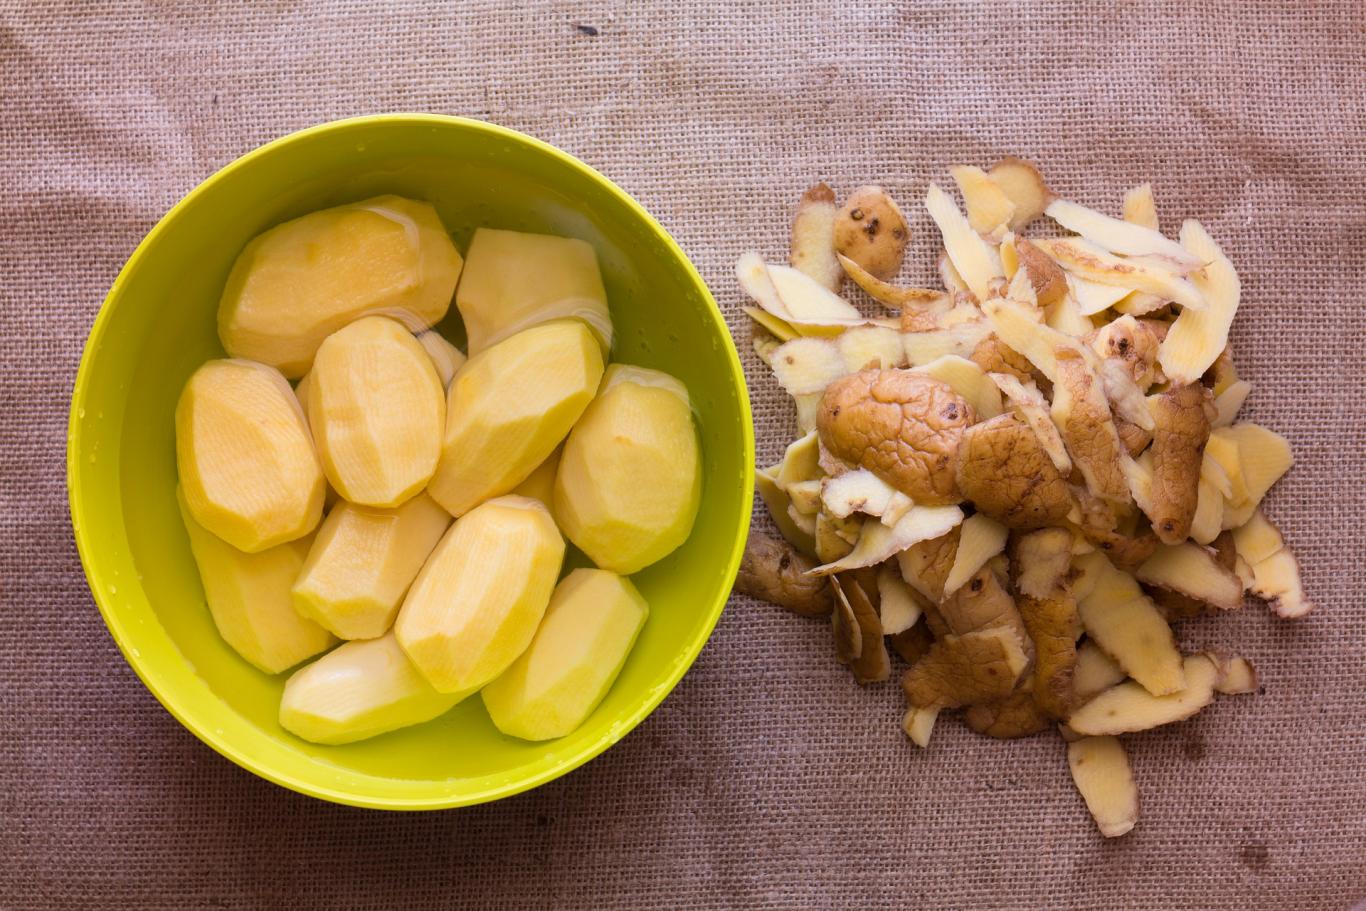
(630, 476)
(777, 501)
(509, 407)
(1129, 707)
(1127, 625)
(1100, 769)
(1193, 571)
(377, 409)
(513, 281)
(1094, 672)
(989, 208)
(1197, 337)
(476, 603)
(299, 282)
(359, 690)
(362, 562)
(982, 538)
(246, 463)
(1140, 208)
(974, 259)
(248, 597)
(581, 646)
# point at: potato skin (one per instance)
(902, 426)
(1007, 474)
(1132, 342)
(1182, 416)
(1045, 275)
(871, 231)
(772, 570)
(995, 356)
(1017, 715)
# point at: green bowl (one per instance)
(158, 325)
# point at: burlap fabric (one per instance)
(768, 779)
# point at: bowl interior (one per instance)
(158, 325)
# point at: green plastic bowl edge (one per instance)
(85, 547)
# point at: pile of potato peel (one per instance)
(1019, 480)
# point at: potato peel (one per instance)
(1140, 208)
(1099, 358)
(808, 365)
(1094, 264)
(856, 491)
(973, 259)
(1023, 185)
(925, 347)
(773, 571)
(968, 380)
(877, 542)
(989, 208)
(1121, 237)
(812, 248)
(894, 296)
(1199, 335)
(1100, 770)
(1128, 707)
(898, 605)
(870, 230)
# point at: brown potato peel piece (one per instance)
(1045, 275)
(1182, 417)
(914, 643)
(995, 356)
(1017, 715)
(902, 426)
(1008, 475)
(773, 570)
(872, 232)
(926, 565)
(1041, 561)
(966, 670)
(869, 661)
(981, 603)
(1053, 627)
(1083, 417)
(1127, 552)
(1133, 437)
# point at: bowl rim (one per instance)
(87, 548)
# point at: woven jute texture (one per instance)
(768, 779)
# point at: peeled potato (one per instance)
(588, 630)
(510, 406)
(299, 282)
(362, 562)
(479, 598)
(248, 597)
(513, 281)
(359, 690)
(246, 463)
(630, 479)
(377, 409)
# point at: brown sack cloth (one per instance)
(767, 780)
